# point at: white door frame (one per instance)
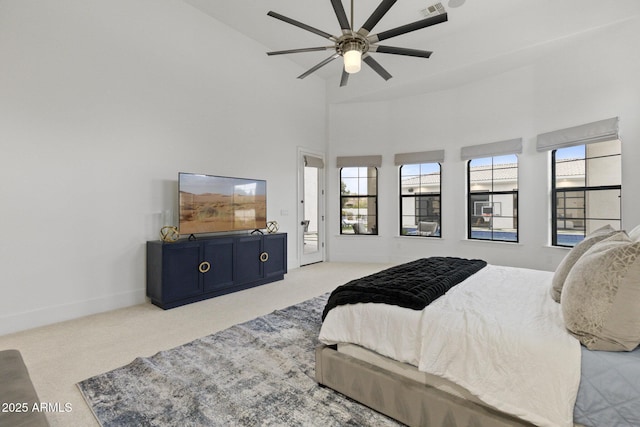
(320, 255)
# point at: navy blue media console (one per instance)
(192, 270)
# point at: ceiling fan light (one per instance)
(352, 61)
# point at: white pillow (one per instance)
(635, 234)
(601, 296)
(574, 255)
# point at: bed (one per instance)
(497, 348)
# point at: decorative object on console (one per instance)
(356, 46)
(169, 233)
(272, 226)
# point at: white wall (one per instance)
(102, 103)
(593, 77)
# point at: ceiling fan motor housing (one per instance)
(352, 42)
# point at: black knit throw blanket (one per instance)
(412, 285)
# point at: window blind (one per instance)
(603, 130)
(435, 156)
(500, 148)
(313, 162)
(359, 161)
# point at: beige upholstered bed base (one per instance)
(404, 399)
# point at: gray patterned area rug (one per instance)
(257, 373)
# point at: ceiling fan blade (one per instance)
(345, 78)
(320, 65)
(376, 16)
(376, 67)
(301, 25)
(427, 22)
(400, 51)
(341, 15)
(304, 49)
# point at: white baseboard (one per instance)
(59, 313)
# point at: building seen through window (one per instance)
(493, 198)
(359, 200)
(586, 190)
(420, 200)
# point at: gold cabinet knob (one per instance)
(204, 267)
(264, 257)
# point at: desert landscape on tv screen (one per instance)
(212, 204)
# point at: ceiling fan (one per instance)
(356, 46)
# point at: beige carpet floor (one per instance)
(60, 355)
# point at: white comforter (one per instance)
(498, 334)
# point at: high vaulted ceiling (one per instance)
(481, 38)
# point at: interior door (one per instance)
(311, 211)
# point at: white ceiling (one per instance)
(481, 38)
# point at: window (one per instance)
(586, 190)
(359, 200)
(420, 200)
(493, 198)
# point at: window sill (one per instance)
(502, 242)
(430, 238)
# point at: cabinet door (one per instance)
(248, 266)
(218, 253)
(181, 277)
(275, 246)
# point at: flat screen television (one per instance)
(211, 204)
